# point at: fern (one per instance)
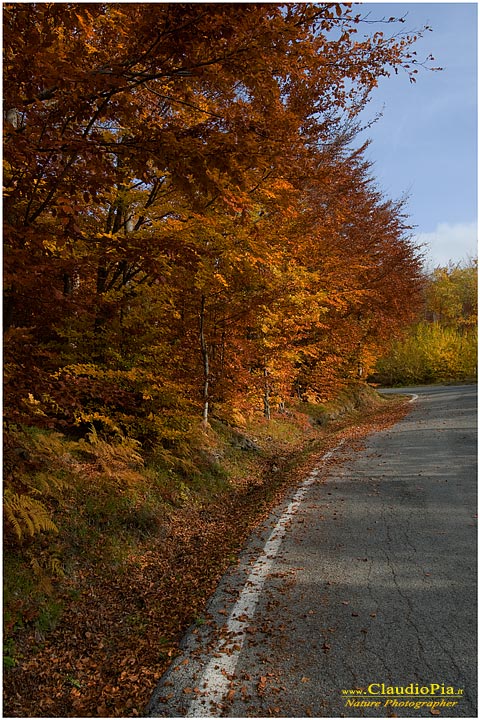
(26, 515)
(123, 451)
(47, 483)
(44, 571)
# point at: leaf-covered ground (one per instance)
(121, 622)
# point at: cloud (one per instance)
(449, 243)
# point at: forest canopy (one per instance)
(189, 226)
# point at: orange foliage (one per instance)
(183, 208)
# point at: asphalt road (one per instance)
(367, 584)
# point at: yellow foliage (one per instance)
(26, 515)
(119, 460)
(45, 571)
(33, 404)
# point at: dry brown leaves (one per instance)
(118, 636)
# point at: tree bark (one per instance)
(266, 395)
(206, 364)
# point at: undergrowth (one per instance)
(431, 353)
(128, 541)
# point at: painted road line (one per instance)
(215, 681)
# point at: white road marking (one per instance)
(413, 398)
(216, 678)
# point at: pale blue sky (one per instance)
(425, 144)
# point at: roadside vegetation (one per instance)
(97, 598)
(442, 346)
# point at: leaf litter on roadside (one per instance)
(114, 646)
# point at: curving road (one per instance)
(363, 601)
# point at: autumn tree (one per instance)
(442, 344)
(163, 239)
(356, 278)
(451, 296)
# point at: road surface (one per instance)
(362, 602)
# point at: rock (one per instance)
(241, 442)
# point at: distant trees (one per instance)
(186, 224)
(451, 296)
(443, 345)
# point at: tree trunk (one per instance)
(266, 395)
(206, 364)
(359, 362)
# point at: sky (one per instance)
(425, 144)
